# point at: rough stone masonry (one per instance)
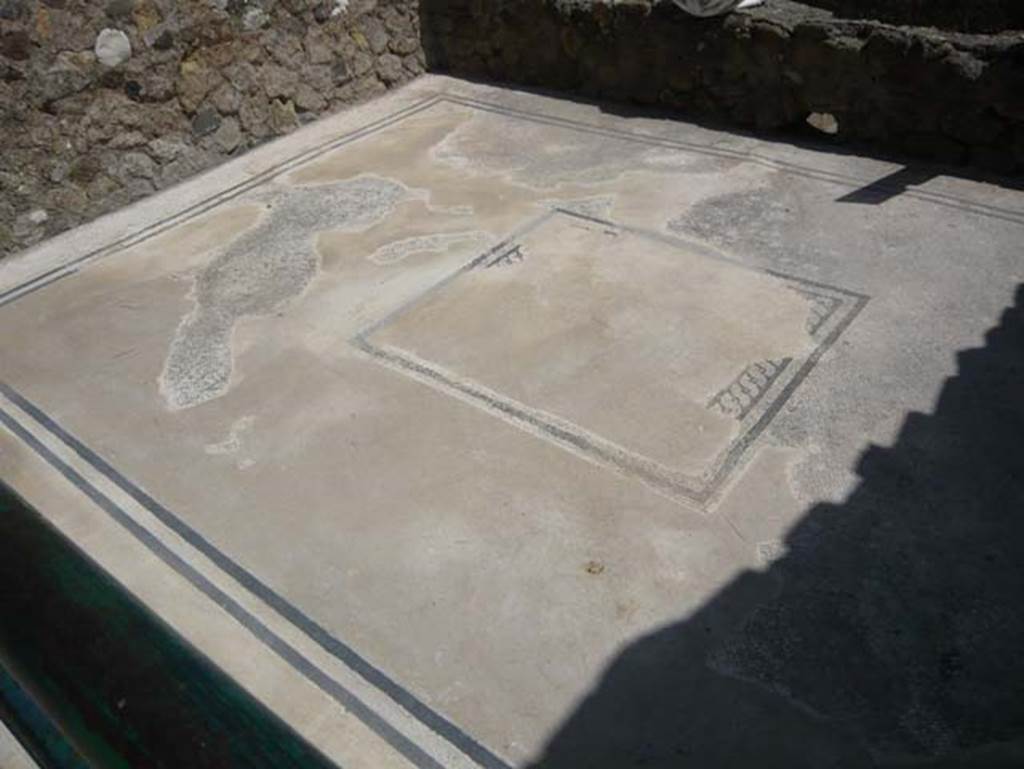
(105, 101)
(102, 103)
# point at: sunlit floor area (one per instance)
(474, 427)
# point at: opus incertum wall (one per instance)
(103, 103)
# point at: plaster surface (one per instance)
(453, 397)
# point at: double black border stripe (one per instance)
(360, 665)
(273, 641)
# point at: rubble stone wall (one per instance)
(104, 101)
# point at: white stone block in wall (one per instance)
(113, 47)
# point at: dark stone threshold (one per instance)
(943, 96)
(94, 678)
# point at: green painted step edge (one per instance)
(121, 686)
(34, 729)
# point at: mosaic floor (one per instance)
(415, 420)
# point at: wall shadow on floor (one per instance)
(914, 171)
(890, 186)
(890, 633)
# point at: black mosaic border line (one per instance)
(699, 491)
(292, 656)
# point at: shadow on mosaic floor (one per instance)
(889, 634)
(914, 172)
